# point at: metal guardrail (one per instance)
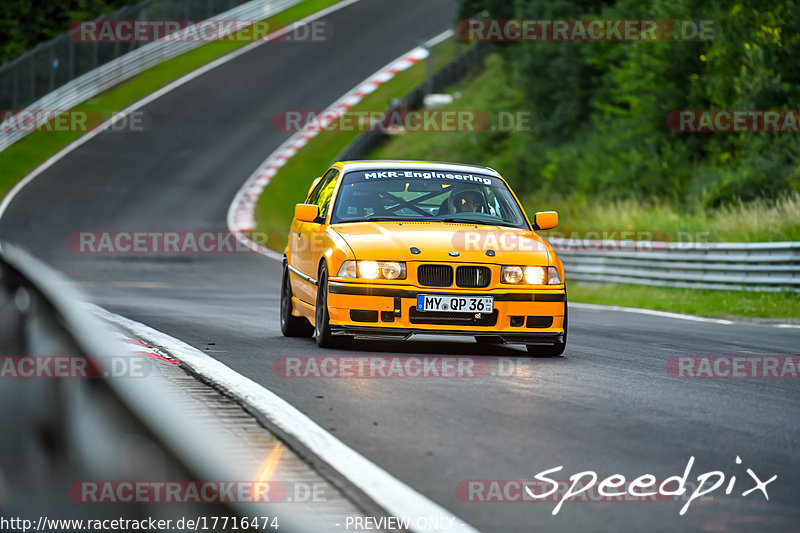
(56, 432)
(62, 68)
(763, 266)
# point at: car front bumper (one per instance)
(381, 311)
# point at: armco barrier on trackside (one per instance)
(73, 429)
(758, 266)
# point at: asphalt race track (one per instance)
(608, 405)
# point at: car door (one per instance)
(306, 238)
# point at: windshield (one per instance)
(426, 195)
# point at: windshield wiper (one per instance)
(460, 220)
(500, 223)
(375, 218)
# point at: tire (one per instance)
(291, 326)
(552, 350)
(322, 328)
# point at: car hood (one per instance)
(436, 240)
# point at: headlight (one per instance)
(373, 269)
(393, 269)
(369, 269)
(348, 269)
(534, 275)
(552, 276)
(531, 275)
(511, 274)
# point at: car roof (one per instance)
(384, 164)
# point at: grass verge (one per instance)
(289, 186)
(22, 157)
(756, 221)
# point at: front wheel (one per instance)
(291, 326)
(322, 326)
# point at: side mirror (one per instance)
(306, 212)
(314, 184)
(545, 219)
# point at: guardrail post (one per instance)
(33, 78)
(15, 90)
(71, 75)
(53, 63)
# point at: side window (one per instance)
(326, 194)
(313, 198)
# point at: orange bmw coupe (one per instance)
(391, 249)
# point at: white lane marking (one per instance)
(652, 312)
(241, 212)
(433, 41)
(391, 494)
(153, 96)
(679, 316)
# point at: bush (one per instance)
(24, 24)
(601, 107)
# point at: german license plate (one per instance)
(455, 303)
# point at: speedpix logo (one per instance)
(588, 487)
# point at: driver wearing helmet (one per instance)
(467, 200)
